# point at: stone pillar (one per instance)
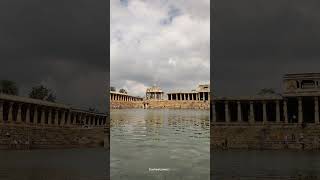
(214, 118)
(43, 118)
(264, 112)
(69, 118)
(316, 110)
(251, 113)
(10, 115)
(19, 113)
(285, 111)
(28, 114)
(50, 116)
(56, 117)
(239, 111)
(1, 111)
(75, 117)
(300, 109)
(277, 111)
(227, 116)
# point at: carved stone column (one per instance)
(300, 109)
(277, 111)
(251, 113)
(239, 112)
(69, 118)
(264, 112)
(56, 117)
(19, 113)
(43, 116)
(10, 115)
(316, 110)
(50, 116)
(285, 111)
(28, 106)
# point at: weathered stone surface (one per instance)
(152, 104)
(266, 137)
(36, 137)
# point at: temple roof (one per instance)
(154, 89)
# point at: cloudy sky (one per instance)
(61, 44)
(257, 41)
(163, 42)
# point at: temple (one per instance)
(299, 103)
(22, 110)
(154, 93)
(202, 93)
(117, 96)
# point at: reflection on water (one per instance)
(72, 164)
(177, 140)
(265, 165)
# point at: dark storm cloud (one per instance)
(61, 43)
(257, 41)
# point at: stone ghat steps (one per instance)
(17, 137)
(265, 137)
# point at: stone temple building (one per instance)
(298, 104)
(154, 93)
(202, 93)
(117, 96)
(27, 111)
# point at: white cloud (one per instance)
(159, 41)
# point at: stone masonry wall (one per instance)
(266, 137)
(179, 104)
(126, 104)
(160, 104)
(33, 137)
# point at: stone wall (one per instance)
(270, 137)
(152, 104)
(37, 137)
(126, 104)
(178, 104)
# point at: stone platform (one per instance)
(265, 137)
(36, 137)
(155, 104)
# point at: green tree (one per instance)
(8, 87)
(43, 93)
(123, 91)
(112, 89)
(267, 91)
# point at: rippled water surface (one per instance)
(175, 140)
(265, 165)
(72, 164)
